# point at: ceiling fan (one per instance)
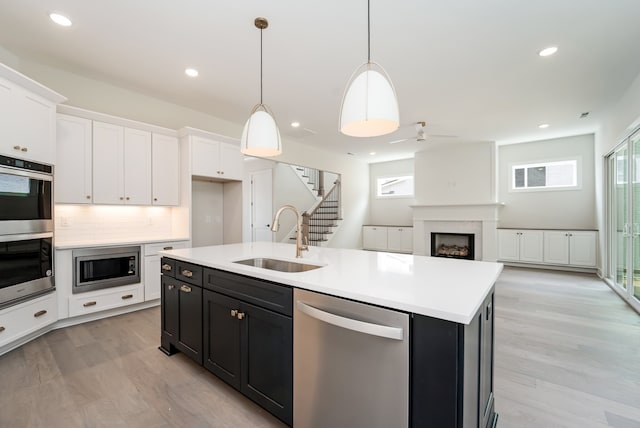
(421, 135)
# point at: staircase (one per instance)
(322, 220)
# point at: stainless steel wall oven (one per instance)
(97, 268)
(26, 230)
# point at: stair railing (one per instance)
(332, 196)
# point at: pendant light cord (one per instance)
(261, 66)
(368, 31)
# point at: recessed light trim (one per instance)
(191, 72)
(543, 125)
(548, 51)
(60, 19)
(295, 124)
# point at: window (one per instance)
(395, 187)
(554, 175)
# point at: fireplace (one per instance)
(453, 245)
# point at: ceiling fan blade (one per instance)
(399, 141)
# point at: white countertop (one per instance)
(448, 289)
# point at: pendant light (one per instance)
(369, 105)
(260, 136)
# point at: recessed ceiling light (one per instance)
(60, 19)
(543, 125)
(191, 72)
(372, 153)
(548, 51)
(295, 124)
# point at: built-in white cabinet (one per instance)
(152, 286)
(165, 170)
(400, 239)
(101, 300)
(569, 248)
(520, 245)
(27, 117)
(25, 318)
(73, 172)
(573, 248)
(215, 159)
(121, 165)
(388, 238)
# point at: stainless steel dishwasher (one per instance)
(350, 364)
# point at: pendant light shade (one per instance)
(369, 105)
(260, 136)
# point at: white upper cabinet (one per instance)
(27, 118)
(215, 159)
(165, 170)
(73, 170)
(121, 165)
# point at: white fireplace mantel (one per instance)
(481, 219)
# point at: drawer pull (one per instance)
(24, 149)
(171, 286)
(127, 296)
(187, 273)
(168, 248)
(2, 329)
(234, 312)
(86, 305)
(166, 266)
(185, 288)
(39, 313)
(16, 147)
(240, 315)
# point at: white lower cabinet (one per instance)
(152, 286)
(388, 238)
(573, 248)
(28, 317)
(109, 298)
(520, 245)
(548, 247)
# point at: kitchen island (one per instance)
(239, 321)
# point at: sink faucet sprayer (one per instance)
(299, 246)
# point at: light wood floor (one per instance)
(567, 355)
(567, 352)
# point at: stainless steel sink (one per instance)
(279, 265)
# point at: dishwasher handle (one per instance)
(387, 332)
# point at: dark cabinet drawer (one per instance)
(275, 297)
(188, 272)
(168, 267)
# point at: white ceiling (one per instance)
(469, 68)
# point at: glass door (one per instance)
(623, 219)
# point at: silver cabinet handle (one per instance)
(185, 288)
(166, 266)
(351, 324)
(240, 315)
(234, 312)
(39, 313)
(171, 286)
(187, 273)
(86, 305)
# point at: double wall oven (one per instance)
(26, 230)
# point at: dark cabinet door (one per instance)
(170, 314)
(222, 336)
(190, 321)
(486, 364)
(267, 359)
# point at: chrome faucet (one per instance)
(300, 247)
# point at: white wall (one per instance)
(207, 213)
(560, 209)
(451, 174)
(390, 211)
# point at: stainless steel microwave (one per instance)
(26, 197)
(26, 266)
(97, 268)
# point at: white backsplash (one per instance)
(107, 223)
